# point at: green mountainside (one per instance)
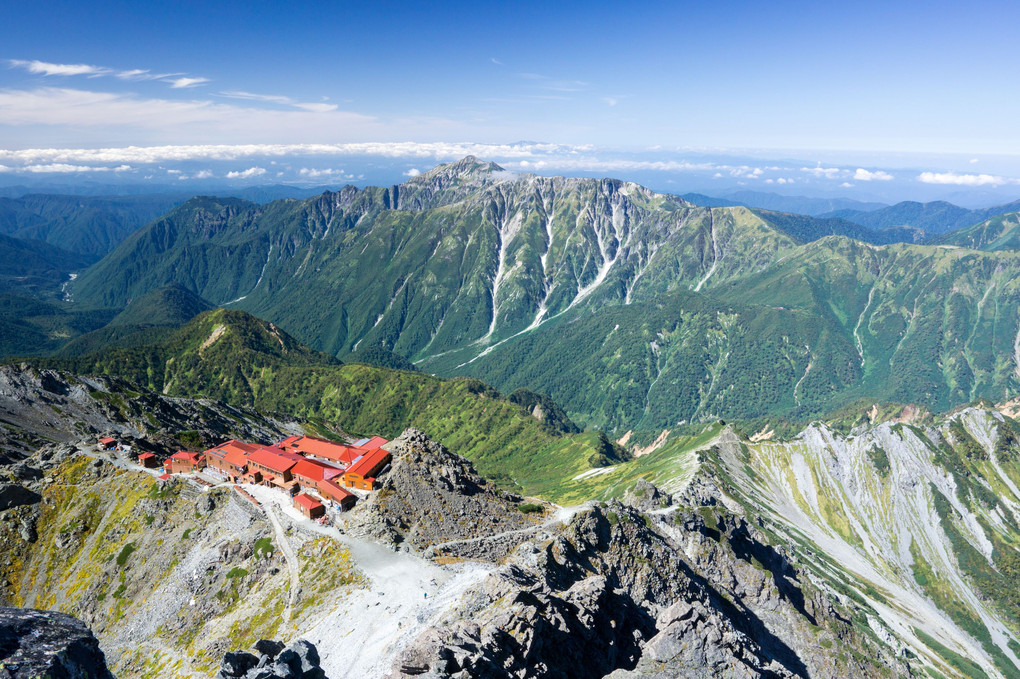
(83, 224)
(146, 320)
(918, 523)
(31, 326)
(935, 218)
(629, 308)
(36, 268)
(998, 233)
(234, 357)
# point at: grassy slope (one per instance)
(234, 357)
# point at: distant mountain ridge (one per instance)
(934, 218)
(776, 202)
(628, 307)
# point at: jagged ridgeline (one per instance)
(630, 308)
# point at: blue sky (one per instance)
(926, 86)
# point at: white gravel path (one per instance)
(405, 594)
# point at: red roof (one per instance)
(315, 471)
(146, 456)
(107, 439)
(374, 442)
(270, 458)
(368, 462)
(231, 456)
(186, 455)
(307, 501)
(333, 489)
(329, 450)
(164, 477)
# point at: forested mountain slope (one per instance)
(628, 307)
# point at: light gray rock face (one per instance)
(47, 412)
(695, 592)
(431, 497)
(35, 644)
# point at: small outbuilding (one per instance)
(186, 462)
(148, 460)
(309, 506)
(107, 443)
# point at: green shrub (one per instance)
(125, 553)
(529, 508)
(264, 546)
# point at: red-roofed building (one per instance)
(373, 443)
(311, 472)
(274, 466)
(309, 506)
(230, 458)
(185, 462)
(320, 448)
(148, 460)
(331, 490)
(361, 474)
(107, 442)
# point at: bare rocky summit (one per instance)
(432, 497)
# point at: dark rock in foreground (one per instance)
(48, 644)
(299, 660)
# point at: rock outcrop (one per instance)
(46, 408)
(273, 660)
(432, 497)
(628, 594)
(37, 644)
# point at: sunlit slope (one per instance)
(998, 233)
(918, 525)
(935, 325)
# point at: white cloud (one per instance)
(247, 174)
(175, 80)
(425, 150)
(496, 61)
(611, 101)
(315, 173)
(182, 83)
(64, 168)
(827, 172)
(863, 175)
(847, 185)
(204, 119)
(203, 174)
(973, 160)
(134, 74)
(46, 68)
(314, 107)
(956, 179)
(414, 172)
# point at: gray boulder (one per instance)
(13, 495)
(48, 644)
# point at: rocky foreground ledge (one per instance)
(47, 644)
